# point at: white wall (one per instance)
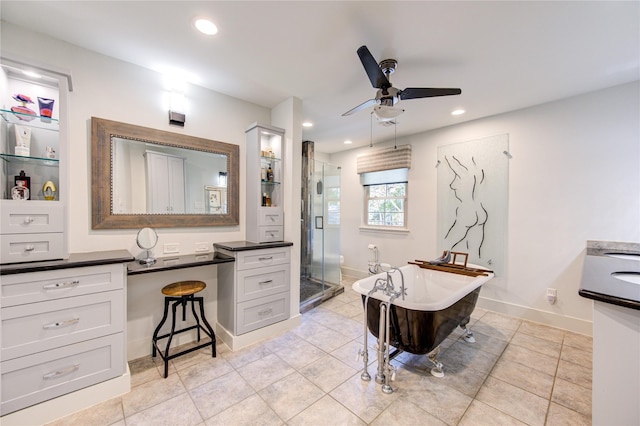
(574, 176)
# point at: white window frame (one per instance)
(385, 177)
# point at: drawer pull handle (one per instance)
(56, 374)
(265, 312)
(28, 220)
(60, 285)
(61, 323)
(265, 282)
(30, 247)
(262, 259)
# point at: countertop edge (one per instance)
(607, 298)
(75, 260)
(217, 258)
(249, 245)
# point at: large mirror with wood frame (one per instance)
(143, 177)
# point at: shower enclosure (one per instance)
(320, 222)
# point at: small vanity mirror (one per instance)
(147, 239)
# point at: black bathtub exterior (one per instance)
(420, 332)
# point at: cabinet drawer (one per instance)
(31, 217)
(39, 377)
(49, 285)
(16, 248)
(270, 217)
(268, 234)
(255, 283)
(259, 313)
(37, 327)
(258, 258)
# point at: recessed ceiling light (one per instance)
(206, 27)
(348, 142)
(307, 124)
(457, 112)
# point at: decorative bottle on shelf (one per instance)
(26, 183)
(270, 174)
(20, 192)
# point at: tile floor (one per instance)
(518, 372)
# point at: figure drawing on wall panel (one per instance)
(472, 199)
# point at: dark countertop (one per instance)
(75, 260)
(248, 245)
(598, 281)
(178, 262)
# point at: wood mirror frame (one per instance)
(102, 216)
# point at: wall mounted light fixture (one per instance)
(177, 115)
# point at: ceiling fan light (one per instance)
(457, 112)
(387, 113)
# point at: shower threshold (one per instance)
(312, 294)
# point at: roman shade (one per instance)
(384, 159)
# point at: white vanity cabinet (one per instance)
(254, 291)
(62, 330)
(265, 221)
(165, 183)
(32, 229)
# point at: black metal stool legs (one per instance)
(182, 300)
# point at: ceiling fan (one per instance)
(388, 96)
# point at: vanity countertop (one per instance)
(75, 260)
(248, 245)
(179, 262)
(609, 276)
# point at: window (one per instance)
(333, 206)
(386, 205)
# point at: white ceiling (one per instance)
(503, 55)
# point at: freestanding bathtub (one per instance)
(435, 304)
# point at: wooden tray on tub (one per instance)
(453, 265)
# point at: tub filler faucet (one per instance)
(386, 371)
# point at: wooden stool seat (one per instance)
(183, 288)
(180, 294)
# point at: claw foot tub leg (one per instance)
(468, 335)
(437, 365)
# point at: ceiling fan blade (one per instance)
(376, 76)
(426, 92)
(360, 107)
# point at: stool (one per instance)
(180, 293)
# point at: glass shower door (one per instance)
(325, 259)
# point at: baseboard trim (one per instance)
(548, 318)
(248, 339)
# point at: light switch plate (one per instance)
(200, 247)
(171, 248)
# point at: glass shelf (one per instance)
(39, 161)
(267, 182)
(270, 158)
(37, 121)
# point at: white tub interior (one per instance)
(427, 289)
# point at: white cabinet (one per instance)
(33, 145)
(165, 183)
(254, 291)
(62, 330)
(265, 222)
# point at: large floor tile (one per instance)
(291, 395)
(402, 412)
(438, 399)
(572, 396)
(364, 398)
(324, 409)
(536, 344)
(250, 411)
(151, 393)
(524, 377)
(262, 372)
(577, 356)
(178, 410)
(542, 331)
(197, 374)
(579, 341)
(516, 402)
(327, 372)
(563, 416)
(300, 354)
(575, 373)
(219, 394)
(541, 362)
(481, 414)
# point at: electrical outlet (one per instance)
(171, 248)
(552, 295)
(200, 247)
